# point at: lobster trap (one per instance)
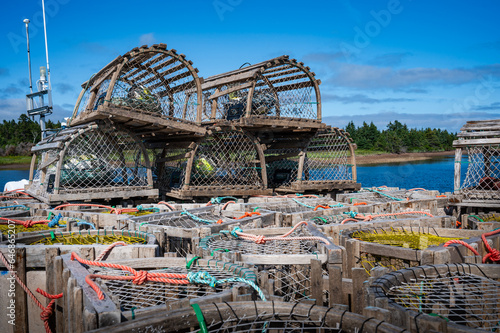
(293, 264)
(400, 247)
(155, 91)
(257, 317)
(227, 162)
(176, 230)
(452, 298)
(117, 295)
(263, 93)
(90, 162)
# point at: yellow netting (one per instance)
(412, 240)
(4, 228)
(369, 261)
(89, 239)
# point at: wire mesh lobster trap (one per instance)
(466, 297)
(398, 247)
(89, 162)
(113, 292)
(155, 91)
(226, 162)
(290, 261)
(477, 147)
(263, 93)
(178, 229)
(257, 317)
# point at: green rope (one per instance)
(224, 250)
(191, 262)
(218, 200)
(319, 218)
(199, 316)
(255, 209)
(477, 217)
(133, 312)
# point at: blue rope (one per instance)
(15, 206)
(196, 218)
(236, 229)
(386, 195)
(153, 209)
(55, 221)
(351, 214)
(218, 200)
(303, 204)
(206, 278)
(79, 223)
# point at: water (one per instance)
(434, 174)
(13, 175)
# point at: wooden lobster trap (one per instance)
(177, 230)
(257, 317)
(477, 147)
(128, 290)
(155, 91)
(443, 298)
(293, 264)
(96, 161)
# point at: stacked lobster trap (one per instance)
(477, 166)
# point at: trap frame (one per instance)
(125, 300)
(257, 317)
(90, 162)
(478, 147)
(453, 298)
(155, 91)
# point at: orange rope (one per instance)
(247, 214)
(137, 277)
(441, 196)
(260, 239)
(166, 204)
(456, 241)
(494, 254)
(46, 310)
(227, 203)
(370, 217)
(360, 203)
(321, 206)
(26, 224)
(418, 188)
(108, 249)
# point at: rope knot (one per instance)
(368, 218)
(260, 239)
(140, 277)
(47, 311)
(54, 221)
(235, 231)
(202, 278)
(494, 255)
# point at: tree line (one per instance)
(398, 138)
(17, 137)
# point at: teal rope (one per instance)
(206, 278)
(196, 218)
(386, 195)
(15, 206)
(236, 229)
(218, 200)
(303, 204)
(153, 209)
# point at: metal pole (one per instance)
(26, 21)
(47, 53)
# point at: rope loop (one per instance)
(140, 277)
(235, 231)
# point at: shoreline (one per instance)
(360, 159)
(399, 158)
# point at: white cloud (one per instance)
(147, 39)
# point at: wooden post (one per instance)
(21, 321)
(50, 282)
(213, 113)
(458, 168)
(317, 281)
(248, 111)
(335, 285)
(359, 276)
(58, 288)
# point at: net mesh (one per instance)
(482, 178)
(169, 168)
(226, 159)
(295, 205)
(282, 166)
(89, 238)
(103, 157)
(128, 295)
(462, 298)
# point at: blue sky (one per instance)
(424, 63)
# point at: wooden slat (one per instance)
(479, 134)
(229, 79)
(285, 72)
(476, 142)
(230, 90)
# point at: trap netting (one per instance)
(298, 240)
(282, 164)
(329, 157)
(296, 205)
(379, 195)
(151, 81)
(482, 178)
(257, 317)
(169, 167)
(130, 295)
(462, 294)
(226, 159)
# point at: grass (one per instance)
(6, 160)
(360, 152)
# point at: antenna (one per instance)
(43, 85)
